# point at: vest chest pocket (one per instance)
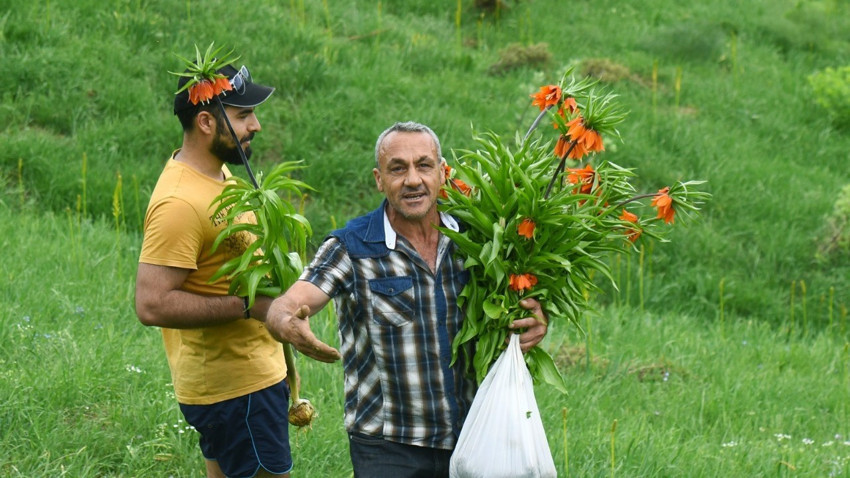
(392, 300)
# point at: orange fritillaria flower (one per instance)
(582, 177)
(526, 228)
(461, 186)
(592, 140)
(664, 203)
(587, 139)
(578, 151)
(221, 84)
(568, 105)
(548, 95)
(632, 233)
(562, 146)
(521, 282)
(201, 92)
(456, 184)
(576, 128)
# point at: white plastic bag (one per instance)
(503, 435)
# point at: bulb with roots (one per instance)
(302, 413)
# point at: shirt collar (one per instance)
(390, 236)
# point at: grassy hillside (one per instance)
(87, 97)
(716, 90)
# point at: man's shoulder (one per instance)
(358, 225)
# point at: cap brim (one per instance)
(253, 95)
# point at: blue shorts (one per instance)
(246, 433)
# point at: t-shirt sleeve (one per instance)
(331, 269)
(173, 235)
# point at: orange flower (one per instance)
(526, 228)
(632, 233)
(201, 92)
(583, 177)
(456, 184)
(578, 152)
(592, 140)
(562, 146)
(587, 139)
(664, 203)
(461, 186)
(548, 95)
(569, 105)
(576, 128)
(521, 282)
(221, 84)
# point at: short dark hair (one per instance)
(187, 115)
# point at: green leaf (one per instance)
(545, 369)
(494, 311)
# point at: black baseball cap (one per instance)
(245, 92)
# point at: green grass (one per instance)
(85, 388)
(91, 81)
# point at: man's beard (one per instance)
(226, 151)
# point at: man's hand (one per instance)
(287, 321)
(536, 327)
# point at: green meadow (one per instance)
(722, 352)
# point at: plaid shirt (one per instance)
(397, 320)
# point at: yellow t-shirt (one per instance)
(208, 364)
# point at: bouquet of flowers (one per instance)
(539, 221)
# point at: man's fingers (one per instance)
(318, 350)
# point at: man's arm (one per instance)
(161, 303)
(288, 320)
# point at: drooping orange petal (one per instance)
(204, 91)
(576, 128)
(664, 203)
(628, 216)
(526, 228)
(193, 94)
(562, 146)
(592, 140)
(578, 152)
(548, 95)
(569, 105)
(583, 177)
(221, 84)
(462, 187)
(632, 233)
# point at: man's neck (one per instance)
(419, 231)
(200, 159)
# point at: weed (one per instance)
(515, 56)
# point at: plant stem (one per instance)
(536, 122)
(560, 168)
(291, 373)
(237, 143)
(634, 198)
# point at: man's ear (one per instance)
(377, 174)
(205, 121)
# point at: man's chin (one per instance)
(232, 157)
